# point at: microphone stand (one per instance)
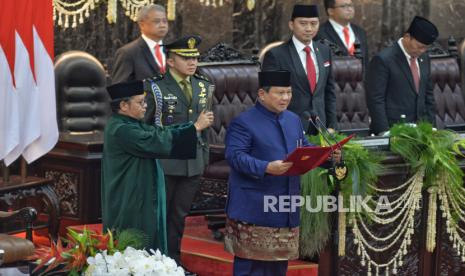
(339, 172)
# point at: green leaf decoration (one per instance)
(436, 151)
(314, 226)
(364, 168)
(131, 237)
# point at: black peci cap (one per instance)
(125, 89)
(305, 11)
(274, 78)
(423, 30)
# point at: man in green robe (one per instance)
(133, 187)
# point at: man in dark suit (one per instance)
(143, 57)
(184, 97)
(310, 65)
(339, 29)
(398, 80)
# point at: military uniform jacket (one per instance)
(133, 187)
(391, 92)
(184, 112)
(323, 99)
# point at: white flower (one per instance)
(132, 262)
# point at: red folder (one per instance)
(308, 158)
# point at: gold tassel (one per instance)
(342, 233)
(250, 4)
(171, 10)
(111, 11)
(431, 220)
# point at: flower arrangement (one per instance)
(104, 254)
(132, 262)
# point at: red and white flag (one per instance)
(45, 80)
(34, 119)
(9, 115)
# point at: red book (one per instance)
(308, 158)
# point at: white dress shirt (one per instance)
(407, 56)
(340, 32)
(151, 43)
(299, 47)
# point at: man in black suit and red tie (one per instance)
(341, 31)
(310, 65)
(145, 56)
(399, 81)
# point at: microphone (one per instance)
(312, 118)
(339, 170)
(322, 126)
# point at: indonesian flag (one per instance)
(31, 119)
(9, 115)
(45, 80)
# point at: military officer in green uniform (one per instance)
(184, 99)
(133, 187)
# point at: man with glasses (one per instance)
(145, 56)
(339, 29)
(133, 188)
(399, 81)
(309, 63)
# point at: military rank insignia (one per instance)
(191, 43)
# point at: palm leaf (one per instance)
(363, 169)
(131, 237)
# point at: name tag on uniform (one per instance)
(326, 64)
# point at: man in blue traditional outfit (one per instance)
(133, 187)
(257, 142)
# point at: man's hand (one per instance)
(336, 156)
(331, 130)
(204, 120)
(278, 167)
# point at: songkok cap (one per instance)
(186, 46)
(305, 11)
(423, 30)
(274, 78)
(126, 89)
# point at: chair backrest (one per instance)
(447, 89)
(82, 101)
(236, 84)
(236, 88)
(351, 108)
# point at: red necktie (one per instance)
(311, 73)
(350, 47)
(415, 73)
(159, 58)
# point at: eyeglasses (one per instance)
(141, 103)
(345, 6)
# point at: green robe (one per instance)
(133, 187)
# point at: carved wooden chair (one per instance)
(14, 249)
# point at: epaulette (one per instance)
(202, 77)
(157, 77)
